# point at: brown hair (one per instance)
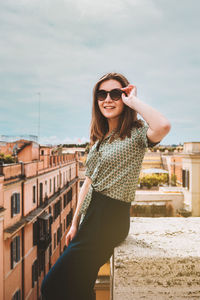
(99, 123)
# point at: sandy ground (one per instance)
(160, 259)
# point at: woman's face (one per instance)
(109, 108)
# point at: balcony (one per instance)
(44, 241)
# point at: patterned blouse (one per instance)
(115, 167)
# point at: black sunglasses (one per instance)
(115, 94)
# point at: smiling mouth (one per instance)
(109, 107)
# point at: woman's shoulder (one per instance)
(138, 127)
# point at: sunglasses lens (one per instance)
(101, 95)
(115, 94)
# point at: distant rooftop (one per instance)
(12, 138)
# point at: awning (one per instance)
(10, 231)
(44, 216)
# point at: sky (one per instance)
(53, 52)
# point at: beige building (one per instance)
(191, 177)
(185, 164)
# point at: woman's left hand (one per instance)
(131, 92)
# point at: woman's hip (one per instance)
(107, 219)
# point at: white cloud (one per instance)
(60, 48)
(54, 140)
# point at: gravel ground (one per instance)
(160, 259)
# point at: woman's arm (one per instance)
(159, 126)
(76, 219)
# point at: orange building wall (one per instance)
(35, 173)
(29, 153)
(12, 277)
(30, 253)
(1, 190)
(1, 257)
(28, 196)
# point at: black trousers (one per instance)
(105, 225)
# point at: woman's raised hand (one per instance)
(70, 235)
(131, 92)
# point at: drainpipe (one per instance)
(23, 263)
(22, 232)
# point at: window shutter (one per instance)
(17, 248)
(33, 274)
(11, 255)
(54, 240)
(187, 179)
(54, 211)
(183, 177)
(46, 229)
(18, 203)
(12, 206)
(15, 203)
(19, 295)
(35, 233)
(36, 270)
(14, 250)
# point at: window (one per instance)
(45, 188)
(43, 227)
(185, 178)
(34, 272)
(57, 209)
(15, 204)
(64, 200)
(59, 234)
(69, 195)
(70, 174)
(15, 251)
(57, 180)
(42, 152)
(41, 262)
(50, 183)
(41, 192)
(54, 240)
(35, 233)
(34, 194)
(17, 295)
(54, 184)
(69, 217)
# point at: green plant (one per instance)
(154, 180)
(173, 179)
(7, 159)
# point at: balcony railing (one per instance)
(44, 241)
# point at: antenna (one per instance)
(39, 96)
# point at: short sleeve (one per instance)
(143, 134)
(88, 171)
(91, 162)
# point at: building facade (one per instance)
(38, 197)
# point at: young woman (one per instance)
(102, 217)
